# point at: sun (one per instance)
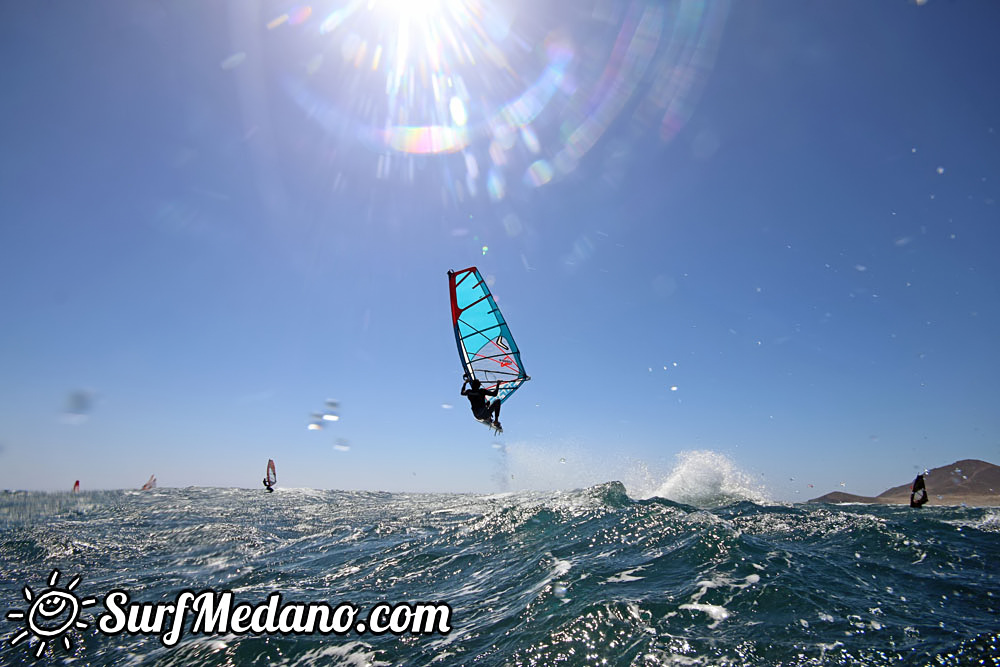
(51, 614)
(410, 8)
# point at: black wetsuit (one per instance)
(480, 407)
(477, 400)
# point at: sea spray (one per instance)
(708, 479)
(526, 466)
(702, 478)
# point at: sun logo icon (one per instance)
(51, 614)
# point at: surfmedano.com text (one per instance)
(218, 613)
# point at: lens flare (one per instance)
(475, 96)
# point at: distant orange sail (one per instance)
(151, 484)
(272, 475)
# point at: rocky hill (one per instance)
(968, 481)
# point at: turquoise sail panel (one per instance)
(485, 344)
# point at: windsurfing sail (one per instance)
(918, 492)
(151, 484)
(485, 344)
(76, 487)
(272, 475)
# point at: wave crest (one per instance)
(705, 478)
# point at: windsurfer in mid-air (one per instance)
(268, 486)
(489, 412)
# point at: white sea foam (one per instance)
(351, 654)
(716, 612)
(624, 576)
(706, 478)
(702, 478)
(561, 567)
(989, 522)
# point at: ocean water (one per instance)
(585, 577)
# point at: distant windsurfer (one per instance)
(488, 412)
(270, 476)
(918, 492)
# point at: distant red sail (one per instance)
(272, 476)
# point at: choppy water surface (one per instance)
(574, 578)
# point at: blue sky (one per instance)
(765, 230)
